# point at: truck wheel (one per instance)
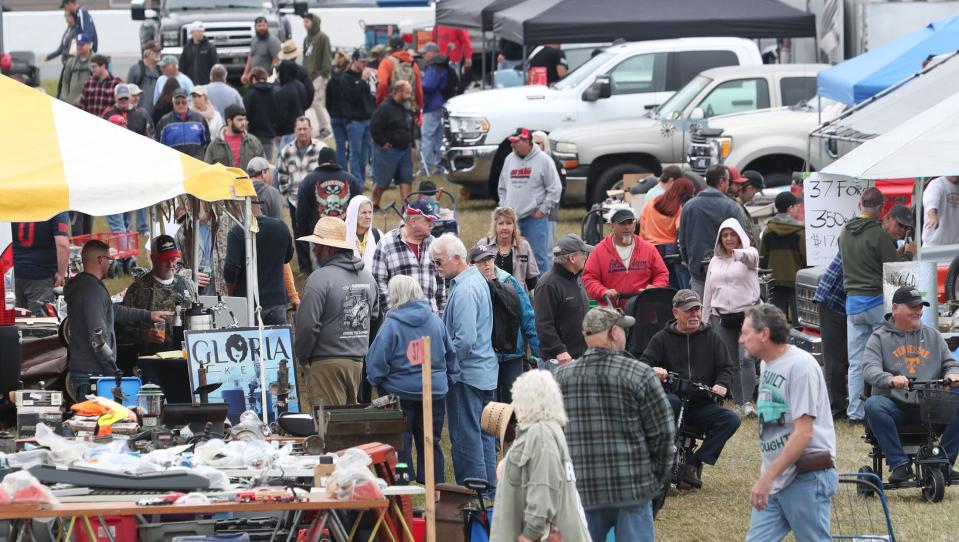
(612, 179)
(952, 280)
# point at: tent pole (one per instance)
(251, 285)
(483, 65)
(195, 209)
(525, 64)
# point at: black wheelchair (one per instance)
(920, 442)
(688, 435)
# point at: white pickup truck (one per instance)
(597, 155)
(622, 80)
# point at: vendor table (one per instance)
(323, 505)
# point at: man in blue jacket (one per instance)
(435, 80)
(84, 20)
(700, 222)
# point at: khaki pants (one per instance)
(319, 99)
(329, 382)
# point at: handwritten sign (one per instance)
(830, 202)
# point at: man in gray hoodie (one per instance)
(92, 341)
(901, 349)
(333, 321)
(530, 185)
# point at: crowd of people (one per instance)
(595, 435)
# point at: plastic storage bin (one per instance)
(162, 532)
(121, 527)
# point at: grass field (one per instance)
(720, 510)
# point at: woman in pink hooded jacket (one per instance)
(732, 286)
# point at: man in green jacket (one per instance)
(75, 72)
(866, 244)
(318, 62)
(234, 146)
(783, 249)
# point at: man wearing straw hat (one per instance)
(333, 320)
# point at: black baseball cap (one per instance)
(903, 215)
(622, 215)
(909, 296)
(754, 179)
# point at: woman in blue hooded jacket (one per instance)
(389, 369)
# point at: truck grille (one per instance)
(698, 152)
(808, 311)
(224, 35)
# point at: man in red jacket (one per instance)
(607, 272)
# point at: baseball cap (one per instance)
(570, 244)
(686, 300)
(397, 43)
(197, 25)
(735, 177)
(168, 60)
(152, 45)
(600, 319)
(257, 165)
(430, 47)
(520, 134)
(119, 120)
(871, 198)
(84, 39)
(755, 179)
(909, 296)
(622, 215)
(419, 208)
(903, 215)
(785, 200)
(121, 91)
(427, 188)
(180, 93)
(135, 89)
(166, 248)
(199, 90)
(481, 252)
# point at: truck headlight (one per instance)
(565, 148)
(171, 39)
(469, 129)
(720, 148)
(565, 153)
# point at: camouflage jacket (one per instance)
(147, 293)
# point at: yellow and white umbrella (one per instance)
(57, 158)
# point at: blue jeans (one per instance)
(720, 424)
(474, 450)
(802, 507)
(884, 415)
(432, 138)
(339, 136)
(859, 328)
(119, 223)
(632, 523)
(413, 412)
(274, 316)
(509, 371)
(536, 231)
(392, 164)
(81, 385)
(143, 222)
(358, 132)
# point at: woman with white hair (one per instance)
(542, 140)
(388, 368)
(536, 495)
(360, 230)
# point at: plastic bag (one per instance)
(22, 488)
(218, 479)
(28, 458)
(62, 451)
(352, 479)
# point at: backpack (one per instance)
(403, 71)
(452, 87)
(332, 197)
(506, 317)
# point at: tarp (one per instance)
(576, 21)
(471, 14)
(895, 105)
(924, 146)
(57, 158)
(869, 73)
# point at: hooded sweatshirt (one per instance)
(699, 224)
(387, 365)
(528, 183)
(333, 320)
(434, 83)
(290, 99)
(732, 283)
(372, 237)
(260, 104)
(605, 270)
(921, 354)
(699, 356)
(317, 53)
(783, 249)
(865, 246)
(91, 309)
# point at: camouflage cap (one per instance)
(686, 300)
(600, 319)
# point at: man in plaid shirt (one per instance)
(831, 302)
(297, 159)
(405, 251)
(620, 432)
(97, 94)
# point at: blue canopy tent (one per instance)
(860, 78)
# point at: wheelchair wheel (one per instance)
(933, 484)
(863, 489)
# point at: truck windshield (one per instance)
(674, 106)
(577, 76)
(217, 4)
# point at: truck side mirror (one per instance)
(697, 114)
(300, 8)
(138, 10)
(598, 90)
